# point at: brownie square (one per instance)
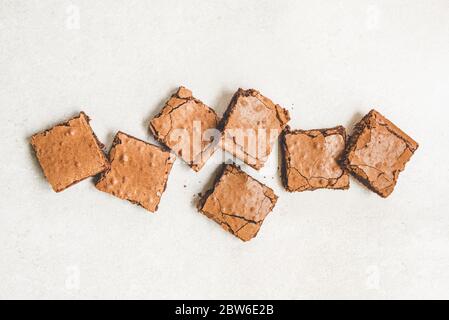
(139, 171)
(377, 152)
(238, 202)
(310, 159)
(187, 126)
(69, 152)
(250, 126)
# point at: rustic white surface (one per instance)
(328, 62)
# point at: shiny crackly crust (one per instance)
(339, 130)
(102, 185)
(98, 144)
(248, 225)
(282, 116)
(370, 122)
(182, 96)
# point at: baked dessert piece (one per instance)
(310, 159)
(238, 202)
(139, 171)
(188, 127)
(69, 152)
(251, 125)
(377, 152)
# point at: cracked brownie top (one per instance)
(238, 202)
(139, 171)
(69, 152)
(251, 125)
(377, 152)
(309, 159)
(188, 127)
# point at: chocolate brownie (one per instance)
(187, 126)
(69, 152)
(377, 152)
(238, 202)
(310, 159)
(139, 171)
(250, 126)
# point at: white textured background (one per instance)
(328, 62)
